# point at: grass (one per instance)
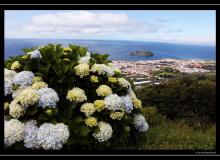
(170, 135)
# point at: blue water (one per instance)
(119, 50)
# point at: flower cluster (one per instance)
(102, 69)
(137, 103)
(13, 131)
(91, 121)
(88, 109)
(39, 85)
(23, 78)
(28, 97)
(15, 65)
(8, 86)
(94, 79)
(85, 59)
(16, 110)
(48, 136)
(52, 137)
(140, 123)
(9, 73)
(124, 83)
(104, 133)
(113, 102)
(117, 115)
(82, 70)
(48, 97)
(35, 54)
(112, 79)
(76, 95)
(128, 106)
(103, 90)
(99, 105)
(30, 135)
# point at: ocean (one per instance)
(119, 50)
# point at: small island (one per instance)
(141, 53)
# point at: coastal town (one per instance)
(142, 72)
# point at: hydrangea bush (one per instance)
(68, 98)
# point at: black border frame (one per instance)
(108, 7)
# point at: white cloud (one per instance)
(83, 23)
(203, 40)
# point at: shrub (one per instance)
(168, 69)
(166, 74)
(190, 97)
(74, 106)
(152, 116)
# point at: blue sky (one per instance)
(187, 26)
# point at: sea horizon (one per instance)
(120, 49)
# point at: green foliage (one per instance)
(192, 97)
(166, 74)
(168, 69)
(152, 116)
(100, 58)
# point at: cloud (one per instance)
(178, 30)
(164, 20)
(203, 40)
(83, 23)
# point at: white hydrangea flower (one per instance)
(84, 60)
(88, 54)
(30, 135)
(113, 102)
(62, 132)
(18, 91)
(48, 97)
(76, 95)
(82, 70)
(52, 137)
(16, 110)
(128, 106)
(35, 54)
(110, 71)
(123, 82)
(24, 78)
(104, 133)
(8, 84)
(9, 73)
(28, 97)
(88, 109)
(140, 123)
(13, 132)
(102, 69)
(103, 90)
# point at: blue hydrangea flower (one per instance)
(30, 135)
(53, 137)
(8, 86)
(35, 54)
(140, 123)
(48, 97)
(128, 106)
(24, 78)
